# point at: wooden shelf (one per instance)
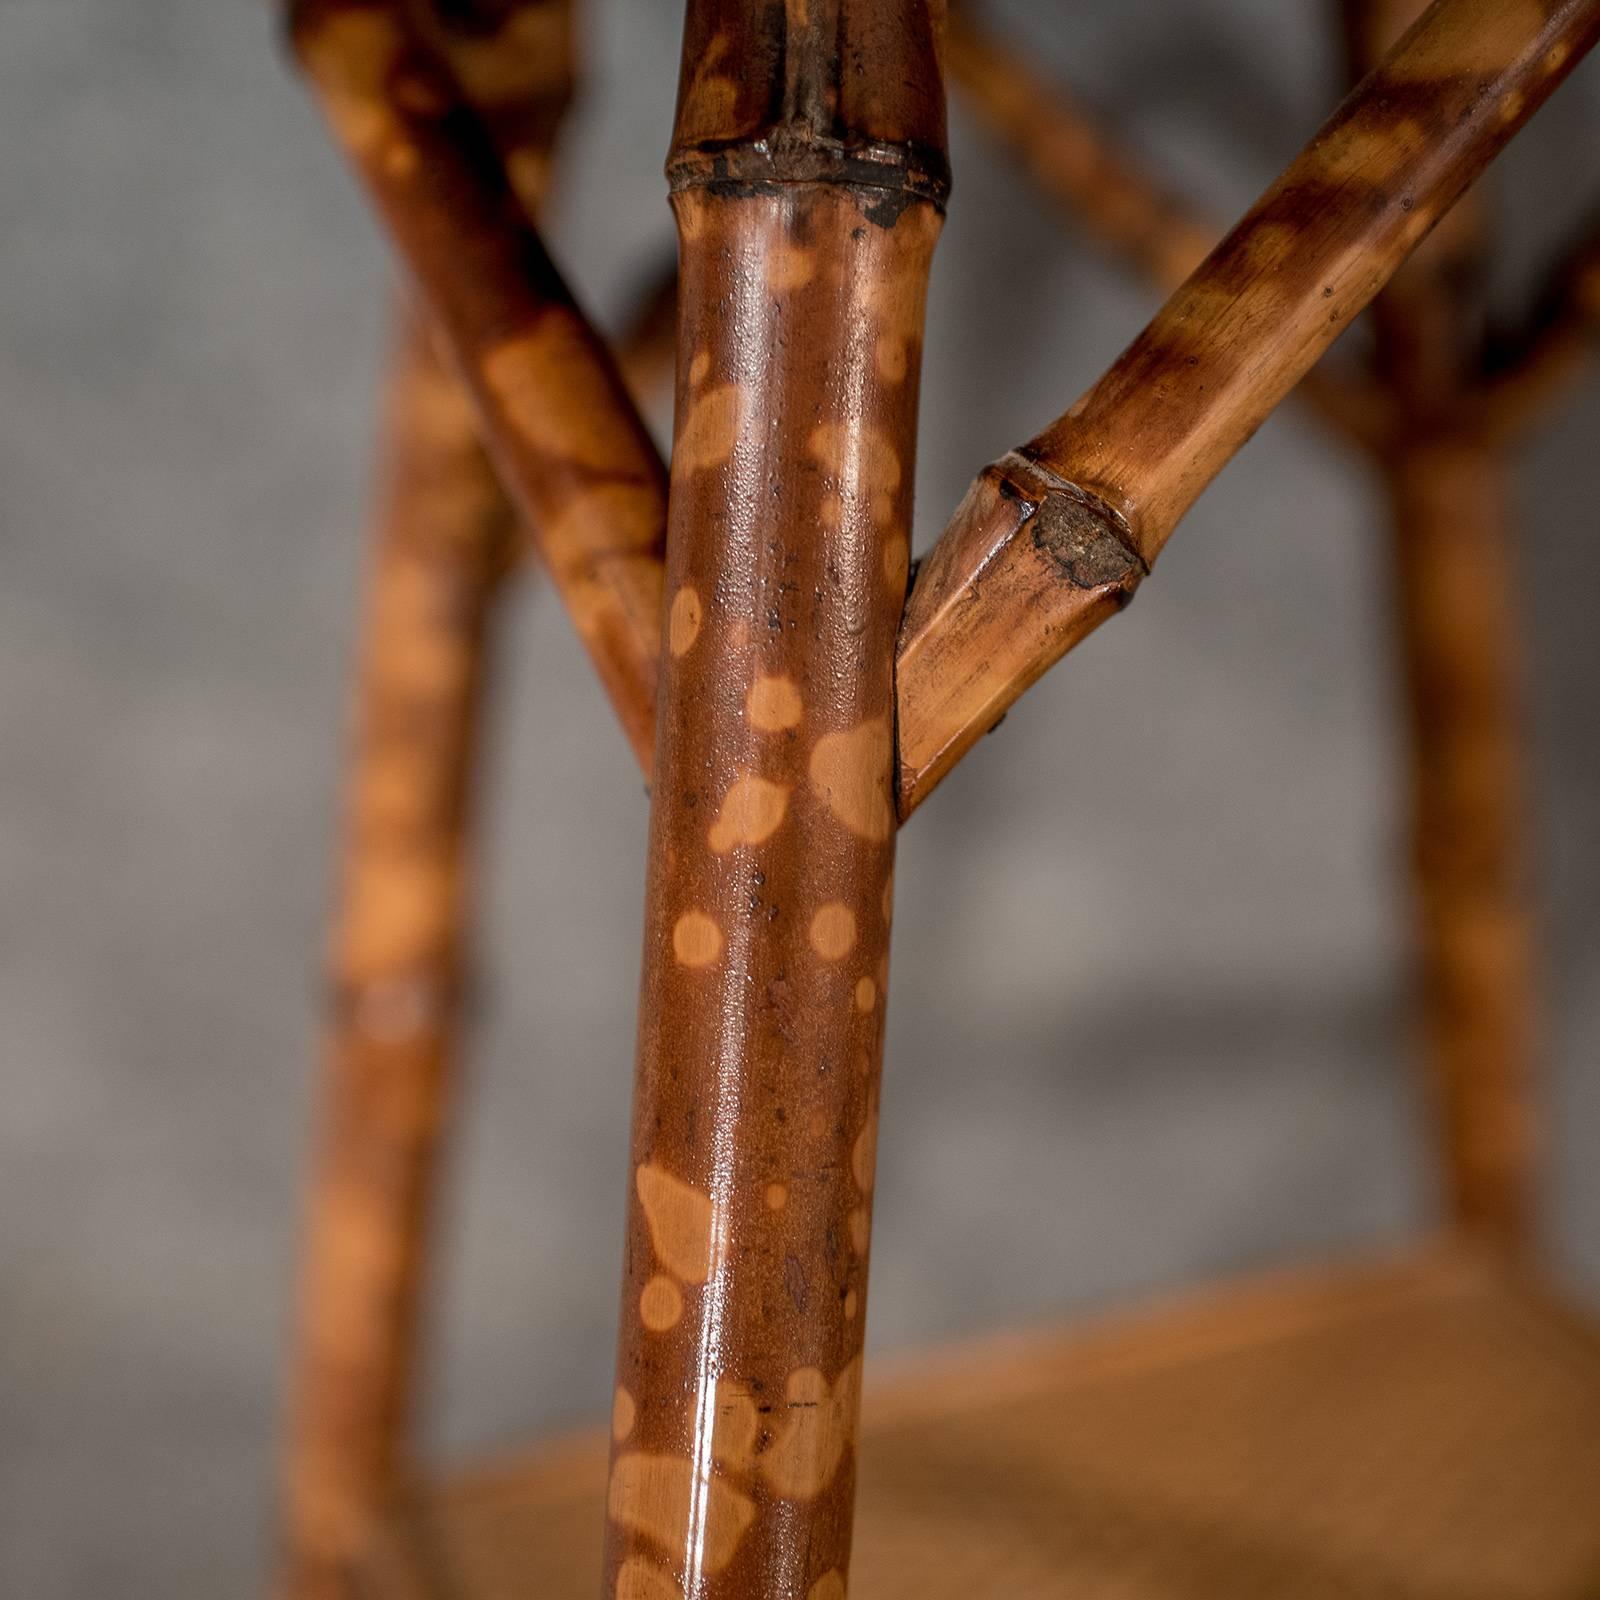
(1425, 1429)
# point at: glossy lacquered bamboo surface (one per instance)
(805, 244)
(1055, 538)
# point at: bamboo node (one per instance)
(899, 174)
(1086, 542)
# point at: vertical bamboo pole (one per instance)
(396, 967)
(808, 173)
(1447, 487)
(442, 539)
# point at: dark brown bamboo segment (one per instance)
(805, 247)
(1549, 356)
(1448, 491)
(397, 963)
(1055, 537)
(571, 449)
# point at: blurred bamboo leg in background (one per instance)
(397, 964)
(1447, 486)
(444, 537)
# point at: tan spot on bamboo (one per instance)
(751, 812)
(864, 1156)
(529, 172)
(660, 1304)
(833, 931)
(715, 99)
(773, 704)
(680, 1218)
(896, 562)
(790, 266)
(640, 1579)
(777, 1197)
(735, 1426)
(526, 55)
(866, 994)
(615, 517)
(350, 56)
(819, 1424)
(556, 418)
(870, 472)
(401, 160)
(708, 434)
(851, 1305)
(683, 622)
(891, 357)
(860, 1230)
(850, 771)
(696, 939)
(651, 1495)
(699, 367)
(624, 1413)
(830, 1586)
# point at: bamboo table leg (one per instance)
(1447, 489)
(443, 540)
(397, 966)
(806, 235)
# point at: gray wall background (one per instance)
(1147, 1012)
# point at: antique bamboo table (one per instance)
(1425, 1425)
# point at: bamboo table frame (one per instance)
(794, 695)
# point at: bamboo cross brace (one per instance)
(1076, 160)
(1056, 536)
(571, 448)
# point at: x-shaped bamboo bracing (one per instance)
(1053, 538)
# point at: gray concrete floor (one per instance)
(1147, 1012)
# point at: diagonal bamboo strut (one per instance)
(1078, 162)
(1448, 489)
(1055, 537)
(571, 449)
(1551, 355)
